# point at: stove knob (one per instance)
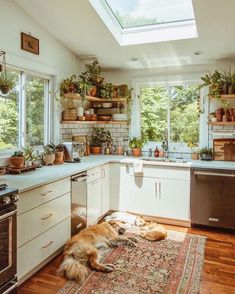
(15, 197)
(6, 200)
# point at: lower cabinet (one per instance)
(160, 197)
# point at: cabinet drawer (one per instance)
(36, 221)
(179, 173)
(43, 194)
(34, 252)
(94, 174)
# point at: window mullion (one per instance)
(169, 116)
(22, 111)
(46, 113)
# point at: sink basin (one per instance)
(157, 159)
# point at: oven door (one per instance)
(7, 244)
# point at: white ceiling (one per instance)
(76, 24)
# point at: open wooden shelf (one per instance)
(94, 99)
(225, 96)
(110, 122)
(221, 123)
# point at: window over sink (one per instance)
(170, 113)
(24, 112)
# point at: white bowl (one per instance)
(107, 104)
(120, 116)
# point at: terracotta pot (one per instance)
(93, 91)
(59, 157)
(49, 159)
(95, 150)
(136, 152)
(195, 156)
(17, 161)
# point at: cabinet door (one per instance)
(105, 189)
(174, 199)
(142, 195)
(93, 202)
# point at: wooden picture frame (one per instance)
(29, 43)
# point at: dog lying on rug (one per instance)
(83, 249)
(124, 220)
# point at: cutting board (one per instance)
(224, 149)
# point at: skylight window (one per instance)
(147, 21)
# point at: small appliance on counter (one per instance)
(8, 211)
(73, 151)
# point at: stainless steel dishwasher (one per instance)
(213, 198)
(79, 203)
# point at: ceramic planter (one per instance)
(17, 161)
(49, 159)
(136, 152)
(206, 157)
(59, 157)
(95, 150)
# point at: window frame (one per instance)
(22, 109)
(135, 128)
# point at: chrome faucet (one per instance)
(165, 145)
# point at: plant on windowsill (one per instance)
(136, 145)
(48, 155)
(6, 83)
(195, 150)
(206, 153)
(99, 136)
(17, 159)
(29, 155)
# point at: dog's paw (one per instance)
(108, 268)
(131, 244)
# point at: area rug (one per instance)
(169, 266)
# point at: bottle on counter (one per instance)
(156, 152)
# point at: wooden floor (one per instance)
(218, 273)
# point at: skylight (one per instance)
(147, 21)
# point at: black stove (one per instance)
(8, 219)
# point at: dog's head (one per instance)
(119, 226)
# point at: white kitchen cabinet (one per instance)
(105, 187)
(94, 201)
(173, 198)
(142, 195)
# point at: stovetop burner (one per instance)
(3, 187)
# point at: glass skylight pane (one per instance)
(138, 13)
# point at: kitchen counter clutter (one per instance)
(49, 174)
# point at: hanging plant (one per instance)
(6, 82)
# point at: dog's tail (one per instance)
(72, 269)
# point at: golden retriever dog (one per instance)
(83, 249)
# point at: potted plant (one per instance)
(94, 70)
(48, 155)
(228, 78)
(17, 159)
(136, 144)
(206, 153)
(107, 91)
(6, 83)
(29, 155)
(59, 152)
(69, 85)
(99, 136)
(84, 85)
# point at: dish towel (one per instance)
(138, 167)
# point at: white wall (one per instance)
(54, 59)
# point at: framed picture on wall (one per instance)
(29, 43)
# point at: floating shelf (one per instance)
(110, 122)
(221, 123)
(94, 99)
(225, 97)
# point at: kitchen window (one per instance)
(24, 112)
(170, 113)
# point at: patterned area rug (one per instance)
(169, 266)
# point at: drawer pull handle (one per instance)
(49, 244)
(48, 216)
(47, 193)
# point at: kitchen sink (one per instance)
(157, 159)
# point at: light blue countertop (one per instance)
(47, 174)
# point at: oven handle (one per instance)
(8, 214)
(10, 289)
(196, 173)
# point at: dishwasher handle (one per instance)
(199, 173)
(79, 178)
